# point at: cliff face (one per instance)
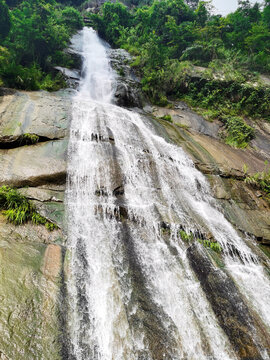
(245, 207)
(32, 258)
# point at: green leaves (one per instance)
(112, 23)
(40, 30)
(260, 180)
(239, 133)
(71, 18)
(5, 22)
(19, 210)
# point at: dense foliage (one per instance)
(170, 37)
(35, 33)
(170, 29)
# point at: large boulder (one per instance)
(44, 114)
(128, 91)
(128, 94)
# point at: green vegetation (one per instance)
(29, 138)
(19, 210)
(172, 41)
(33, 36)
(167, 118)
(260, 180)
(4, 20)
(213, 245)
(239, 133)
(185, 236)
(228, 98)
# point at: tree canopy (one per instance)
(33, 35)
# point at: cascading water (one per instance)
(134, 292)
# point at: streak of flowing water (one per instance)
(132, 296)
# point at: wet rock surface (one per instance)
(128, 91)
(30, 265)
(32, 258)
(243, 205)
(31, 255)
(41, 113)
(34, 165)
(231, 311)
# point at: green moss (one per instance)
(213, 245)
(210, 114)
(185, 236)
(50, 226)
(265, 249)
(30, 138)
(19, 210)
(183, 126)
(167, 118)
(216, 257)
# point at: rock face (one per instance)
(127, 88)
(41, 113)
(245, 207)
(29, 286)
(31, 260)
(225, 299)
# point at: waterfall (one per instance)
(136, 289)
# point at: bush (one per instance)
(19, 77)
(239, 133)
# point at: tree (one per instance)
(72, 18)
(266, 13)
(201, 13)
(192, 4)
(5, 22)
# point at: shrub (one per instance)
(239, 133)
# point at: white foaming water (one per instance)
(123, 180)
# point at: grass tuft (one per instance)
(30, 138)
(19, 210)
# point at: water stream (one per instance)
(133, 291)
